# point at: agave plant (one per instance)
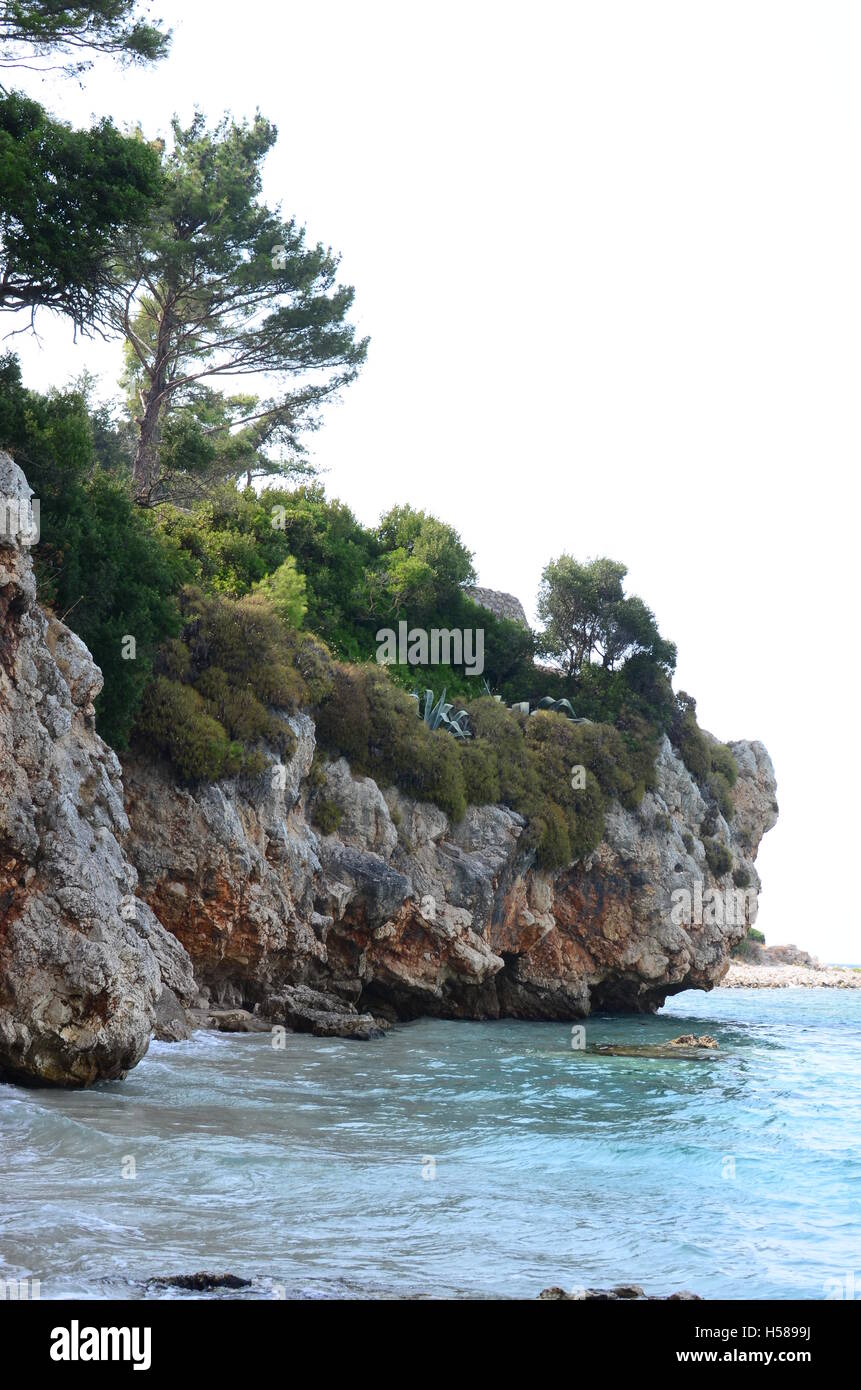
(555, 706)
(439, 716)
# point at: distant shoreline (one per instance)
(742, 975)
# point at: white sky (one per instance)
(608, 255)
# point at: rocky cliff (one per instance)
(84, 963)
(400, 913)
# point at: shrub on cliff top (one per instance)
(173, 720)
(212, 708)
(525, 762)
(712, 765)
(368, 720)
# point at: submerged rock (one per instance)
(621, 1293)
(677, 1048)
(84, 964)
(200, 1283)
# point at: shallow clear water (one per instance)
(307, 1170)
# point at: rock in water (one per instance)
(620, 1293)
(83, 962)
(203, 1282)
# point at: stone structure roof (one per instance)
(502, 605)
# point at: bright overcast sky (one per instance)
(608, 255)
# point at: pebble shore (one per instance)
(743, 976)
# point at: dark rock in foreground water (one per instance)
(620, 1293)
(203, 1282)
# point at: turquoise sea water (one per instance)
(458, 1159)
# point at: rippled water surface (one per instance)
(308, 1170)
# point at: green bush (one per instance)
(741, 877)
(723, 762)
(525, 762)
(225, 684)
(718, 857)
(712, 765)
(719, 788)
(708, 824)
(327, 815)
(285, 590)
(550, 833)
(749, 947)
(503, 730)
(173, 721)
(481, 773)
(689, 739)
(372, 723)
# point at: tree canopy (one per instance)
(34, 33)
(424, 566)
(65, 196)
(100, 562)
(587, 617)
(218, 285)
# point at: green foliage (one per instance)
(724, 763)
(718, 856)
(327, 814)
(749, 948)
(372, 723)
(689, 739)
(709, 824)
(741, 877)
(285, 590)
(234, 666)
(712, 765)
(424, 565)
(588, 618)
(230, 288)
(564, 824)
(67, 197)
(480, 773)
(504, 731)
(689, 842)
(720, 789)
(236, 540)
(523, 761)
(100, 564)
(635, 698)
(173, 721)
(34, 33)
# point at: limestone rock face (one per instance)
(398, 913)
(83, 962)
